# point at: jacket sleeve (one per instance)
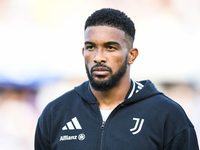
(41, 143)
(43, 130)
(186, 140)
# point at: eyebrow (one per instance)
(106, 43)
(88, 42)
(111, 43)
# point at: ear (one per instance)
(83, 51)
(133, 53)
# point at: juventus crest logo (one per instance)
(138, 125)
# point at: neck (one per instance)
(110, 99)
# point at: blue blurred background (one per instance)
(40, 56)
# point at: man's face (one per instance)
(106, 54)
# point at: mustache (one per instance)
(101, 65)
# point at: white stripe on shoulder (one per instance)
(132, 91)
(139, 87)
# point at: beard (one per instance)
(109, 83)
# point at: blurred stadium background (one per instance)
(40, 56)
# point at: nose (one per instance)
(99, 56)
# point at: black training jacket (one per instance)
(148, 120)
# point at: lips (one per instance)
(100, 71)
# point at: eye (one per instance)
(111, 48)
(90, 47)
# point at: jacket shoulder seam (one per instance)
(178, 134)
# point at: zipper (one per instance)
(102, 127)
(102, 134)
(104, 123)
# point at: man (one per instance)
(111, 111)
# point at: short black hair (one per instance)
(113, 18)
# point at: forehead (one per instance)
(104, 33)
